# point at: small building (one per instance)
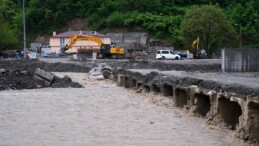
(58, 41)
(35, 46)
(130, 40)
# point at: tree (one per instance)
(210, 24)
(161, 18)
(141, 6)
(7, 37)
(244, 15)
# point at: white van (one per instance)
(167, 54)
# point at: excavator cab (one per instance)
(105, 50)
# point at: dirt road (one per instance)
(99, 114)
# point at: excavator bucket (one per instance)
(63, 49)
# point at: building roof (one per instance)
(68, 34)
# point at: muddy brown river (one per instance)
(101, 114)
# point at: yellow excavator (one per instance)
(195, 48)
(106, 51)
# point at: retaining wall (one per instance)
(130, 37)
(240, 60)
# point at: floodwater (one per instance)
(101, 114)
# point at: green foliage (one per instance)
(130, 18)
(7, 39)
(161, 26)
(7, 9)
(116, 19)
(152, 6)
(161, 18)
(7, 36)
(244, 15)
(96, 22)
(210, 24)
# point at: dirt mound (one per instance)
(163, 65)
(19, 74)
(31, 65)
(15, 79)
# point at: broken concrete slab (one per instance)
(95, 71)
(43, 75)
(102, 69)
(106, 73)
(19, 74)
(100, 77)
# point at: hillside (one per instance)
(161, 18)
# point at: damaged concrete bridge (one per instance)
(226, 101)
(61, 102)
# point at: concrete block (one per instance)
(43, 75)
(120, 80)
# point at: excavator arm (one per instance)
(195, 47)
(90, 38)
(77, 37)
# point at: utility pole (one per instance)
(24, 33)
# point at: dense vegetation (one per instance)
(208, 23)
(163, 19)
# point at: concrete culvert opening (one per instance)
(146, 89)
(127, 82)
(253, 110)
(134, 83)
(202, 102)
(229, 111)
(121, 81)
(167, 90)
(180, 97)
(155, 89)
(139, 85)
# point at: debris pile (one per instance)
(31, 65)
(102, 69)
(16, 79)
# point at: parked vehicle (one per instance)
(32, 55)
(182, 54)
(45, 51)
(167, 54)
